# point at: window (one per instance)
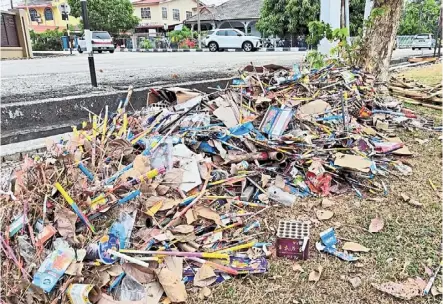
(101, 35)
(145, 12)
(48, 14)
(176, 14)
(164, 13)
(231, 33)
(221, 33)
(188, 14)
(33, 14)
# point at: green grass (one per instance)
(411, 237)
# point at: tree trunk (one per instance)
(379, 39)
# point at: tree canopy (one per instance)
(419, 17)
(114, 16)
(279, 17)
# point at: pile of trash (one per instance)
(142, 205)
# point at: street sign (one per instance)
(64, 8)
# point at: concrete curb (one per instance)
(29, 120)
(279, 49)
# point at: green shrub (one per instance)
(146, 44)
(50, 40)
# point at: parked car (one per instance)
(101, 41)
(421, 41)
(220, 39)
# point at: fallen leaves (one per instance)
(205, 276)
(204, 293)
(410, 201)
(415, 203)
(173, 286)
(75, 269)
(326, 203)
(66, 219)
(139, 273)
(207, 213)
(297, 268)
(409, 289)
(183, 229)
(355, 247)
(376, 225)
(314, 276)
(324, 214)
(355, 281)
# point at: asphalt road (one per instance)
(41, 78)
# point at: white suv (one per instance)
(231, 39)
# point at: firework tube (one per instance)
(238, 247)
(203, 236)
(207, 255)
(128, 258)
(142, 178)
(86, 172)
(220, 267)
(74, 207)
(242, 203)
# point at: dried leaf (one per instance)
(142, 164)
(420, 283)
(297, 268)
(405, 197)
(436, 291)
(66, 220)
(355, 247)
(190, 217)
(139, 273)
(169, 204)
(183, 229)
(324, 214)
(405, 291)
(326, 203)
(162, 189)
(75, 269)
(175, 264)
(376, 224)
(204, 293)
(355, 281)
(314, 276)
(415, 203)
(428, 271)
(104, 279)
(207, 213)
(115, 270)
(173, 286)
(154, 292)
(205, 276)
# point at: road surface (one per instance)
(41, 78)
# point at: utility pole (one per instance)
(88, 38)
(438, 34)
(198, 25)
(12, 5)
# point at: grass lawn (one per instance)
(409, 241)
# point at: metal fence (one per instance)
(403, 42)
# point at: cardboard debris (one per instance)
(144, 204)
(352, 162)
(172, 285)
